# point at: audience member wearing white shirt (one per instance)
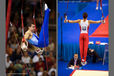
(8, 62)
(40, 73)
(36, 58)
(26, 58)
(52, 69)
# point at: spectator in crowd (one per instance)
(29, 18)
(52, 16)
(51, 45)
(10, 69)
(40, 73)
(53, 69)
(16, 20)
(16, 55)
(9, 42)
(9, 51)
(10, 73)
(45, 73)
(46, 52)
(26, 58)
(6, 55)
(53, 73)
(18, 66)
(46, 56)
(20, 32)
(50, 60)
(36, 58)
(39, 65)
(14, 43)
(32, 72)
(12, 29)
(8, 62)
(24, 72)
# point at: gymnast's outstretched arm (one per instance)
(71, 21)
(91, 21)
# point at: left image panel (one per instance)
(30, 38)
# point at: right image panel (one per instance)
(83, 38)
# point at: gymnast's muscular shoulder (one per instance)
(28, 35)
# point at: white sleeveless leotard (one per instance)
(84, 26)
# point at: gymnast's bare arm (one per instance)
(72, 21)
(28, 35)
(91, 21)
(24, 43)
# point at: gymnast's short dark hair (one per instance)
(29, 24)
(85, 15)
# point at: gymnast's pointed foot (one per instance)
(100, 8)
(96, 8)
(83, 62)
(46, 7)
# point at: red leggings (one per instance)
(101, 3)
(84, 39)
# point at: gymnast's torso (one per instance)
(84, 26)
(32, 38)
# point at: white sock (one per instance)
(46, 7)
(96, 8)
(100, 8)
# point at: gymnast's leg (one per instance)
(97, 4)
(44, 36)
(86, 40)
(100, 4)
(81, 46)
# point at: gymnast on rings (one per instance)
(30, 37)
(84, 38)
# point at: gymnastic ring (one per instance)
(24, 46)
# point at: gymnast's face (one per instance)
(32, 27)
